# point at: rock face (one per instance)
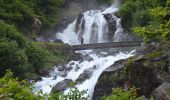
(162, 92)
(147, 70)
(111, 23)
(61, 86)
(117, 65)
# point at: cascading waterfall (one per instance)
(92, 27)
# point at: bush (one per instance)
(21, 13)
(20, 55)
(147, 18)
(121, 94)
(38, 57)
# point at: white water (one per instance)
(94, 31)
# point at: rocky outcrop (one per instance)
(111, 23)
(61, 86)
(147, 70)
(162, 92)
(117, 65)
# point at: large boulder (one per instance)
(117, 65)
(44, 71)
(162, 92)
(85, 75)
(61, 86)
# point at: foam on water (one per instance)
(93, 31)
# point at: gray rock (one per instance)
(44, 71)
(117, 65)
(85, 75)
(61, 86)
(162, 92)
(58, 41)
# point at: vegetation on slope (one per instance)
(18, 53)
(149, 19)
(21, 13)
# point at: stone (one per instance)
(61, 86)
(44, 71)
(117, 65)
(85, 75)
(62, 68)
(58, 41)
(39, 39)
(111, 23)
(162, 92)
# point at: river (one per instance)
(92, 27)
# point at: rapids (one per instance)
(92, 27)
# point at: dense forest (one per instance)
(20, 55)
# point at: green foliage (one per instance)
(21, 13)
(74, 94)
(126, 13)
(38, 57)
(20, 55)
(10, 33)
(148, 18)
(48, 11)
(122, 94)
(13, 89)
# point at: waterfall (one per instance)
(92, 27)
(89, 27)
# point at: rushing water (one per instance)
(92, 27)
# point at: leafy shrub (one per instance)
(121, 94)
(21, 13)
(147, 18)
(20, 55)
(38, 57)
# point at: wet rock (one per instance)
(77, 68)
(78, 22)
(85, 75)
(61, 86)
(111, 23)
(58, 41)
(35, 78)
(69, 68)
(87, 58)
(44, 71)
(39, 39)
(73, 63)
(62, 73)
(106, 82)
(162, 92)
(117, 65)
(62, 68)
